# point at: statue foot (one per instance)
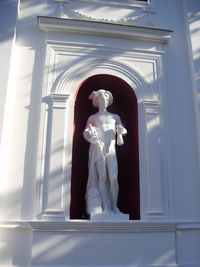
(116, 210)
(107, 211)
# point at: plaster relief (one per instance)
(120, 13)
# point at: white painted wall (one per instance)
(8, 18)
(23, 60)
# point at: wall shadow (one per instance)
(125, 105)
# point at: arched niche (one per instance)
(125, 105)
(152, 195)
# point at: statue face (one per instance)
(103, 100)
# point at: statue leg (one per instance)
(112, 167)
(102, 175)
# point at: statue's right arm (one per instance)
(85, 132)
(90, 133)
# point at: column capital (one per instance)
(58, 100)
(59, 97)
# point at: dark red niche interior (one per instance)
(125, 105)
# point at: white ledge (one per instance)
(104, 29)
(125, 3)
(59, 97)
(111, 227)
(23, 225)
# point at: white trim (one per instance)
(145, 11)
(114, 227)
(104, 29)
(71, 48)
(59, 100)
(189, 226)
(104, 60)
(126, 3)
(22, 225)
(89, 226)
(59, 97)
(110, 227)
(56, 109)
(151, 265)
(67, 83)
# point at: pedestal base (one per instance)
(109, 217)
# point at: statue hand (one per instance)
(121, 130)
(94, 140)
(120, 140)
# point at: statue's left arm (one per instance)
(121, 130)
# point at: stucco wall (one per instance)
(24, 74)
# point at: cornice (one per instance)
(15, 225)
(104, 29)
(125, 3)
(111, 227)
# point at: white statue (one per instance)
(101, 130)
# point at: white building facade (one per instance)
(53, 53)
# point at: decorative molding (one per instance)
(104, 29)
(88, 226)
(67, 76)
(74, 48)
(151, 103)
(189, 226)
(59, 100)
(53, 208)
(59, 97)
(53, 215)
(97, 61)
(151, 107)
(126, 3)
(93, 60)
(22, 225)
(110, 227)
(156, 192)
(84, 16)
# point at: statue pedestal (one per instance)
(109, 217)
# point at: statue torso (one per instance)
(105, 124)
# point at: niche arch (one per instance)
(125, 105)
(68, 81)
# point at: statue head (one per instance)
(95, 96)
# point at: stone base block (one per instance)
(109, 217)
